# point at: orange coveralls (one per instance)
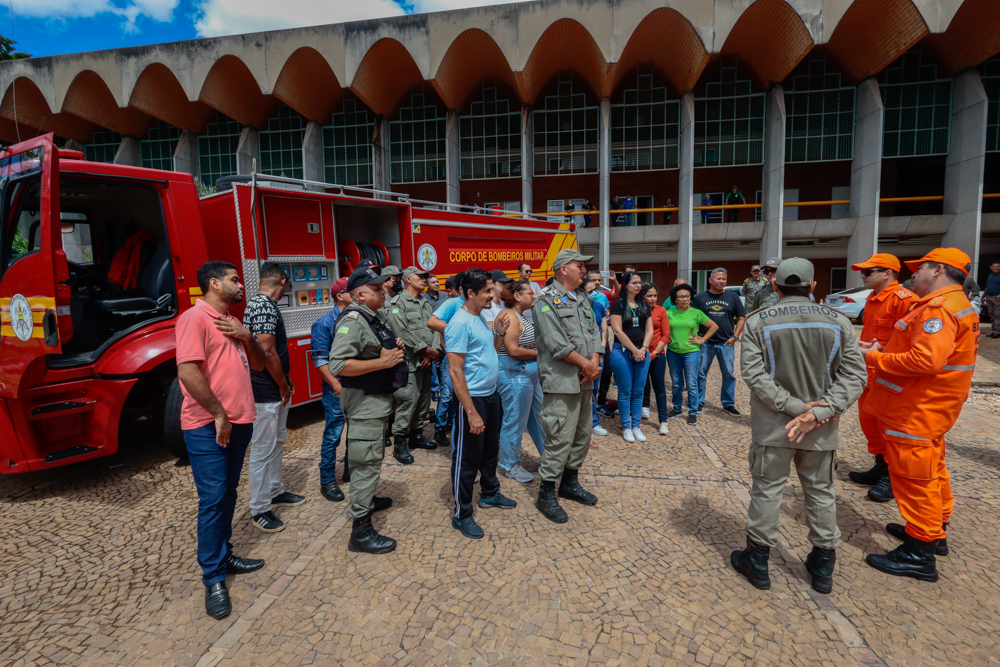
(882, 311)
(922, 379)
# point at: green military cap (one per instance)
(567, 255)
(410, 270)
(390, 270)
(773, 262)
(794, 272)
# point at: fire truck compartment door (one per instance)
(35, 315)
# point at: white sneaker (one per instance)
(600, 430)
(664, 429)
(638, 434)
(628, 435)
(520, 474)
(645, 413)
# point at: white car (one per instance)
(850, 302)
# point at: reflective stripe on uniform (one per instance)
(802, 325)
(901, 324)
(889, 384)
(967, 311)
(900, 434)
(959, 368)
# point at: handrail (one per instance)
(482, 210)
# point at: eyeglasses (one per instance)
(526, 271)
(769, 270)
(868, 272)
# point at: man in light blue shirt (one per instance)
(444, 414)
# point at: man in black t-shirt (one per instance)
(725, 308)
(272, 392)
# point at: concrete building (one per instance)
(542, 104)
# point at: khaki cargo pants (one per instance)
(770, 467)
(365, 451)
(412, 401)
(567, 420)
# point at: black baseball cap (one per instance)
(499, 276)
(365, 275)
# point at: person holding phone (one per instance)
(632, 323)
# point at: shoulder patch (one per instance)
(343, 329)
(545, 308)
(353, 314)
(548, 290)
(903, 294)
(937, 301)
(393, 299)
(933, 325)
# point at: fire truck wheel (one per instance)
(173, 437)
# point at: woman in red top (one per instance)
(658, 357)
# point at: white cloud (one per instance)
(129, 11)
(232, 17)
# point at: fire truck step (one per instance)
(66, 407)
(67, 453)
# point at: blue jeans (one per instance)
(444, 415)
(727, 356)
(435, 370)
(521, 396)
(597, 384)
(630, 376)
(684, 370)
(216, 472)
(331, 436)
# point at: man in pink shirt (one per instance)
(215, 353)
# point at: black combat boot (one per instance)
(913, 558)
(381, 504)
(365, 539)
(418, 441)
(871, 477)
(570, 488)
(331, 491)
(898, 531)
(882, 491)
(548, 505)
(400, 452)
(752, 564)
(819, 563)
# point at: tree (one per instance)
(7, 51)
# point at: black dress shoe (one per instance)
(569, 488)
(752, 564)
(913, 558)
(400, 452)
(441, 438)
(236, 565)
(331, 491)
(217, 604)
(381, 504)
(898, 531)
(287, 499)
(365, 539)
(882, 491)
(871, 477)
(418, 441)
(819, 564)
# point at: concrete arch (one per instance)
(565, 45)
(769, 40)
(872, 34)
(231, 88)
(308, 85)
(471, 58)
(972, 37)
(25, 105)
(159, 94)
(666, 40)
(385, 76)
(88, 97)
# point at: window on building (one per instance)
(566, 135)
(729, 123)
(217, 149)
(347, 147)
(991, 82)
(103, 146)
(645, 129)
(838, 279)
(417, 151)
(490, 139)
(156, 151)
(281, 144)
(819, 122)
(917, 109)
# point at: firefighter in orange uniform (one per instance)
(887, 304)
(921, 381)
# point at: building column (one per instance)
(128, 152)
(312, 155)
(604, 249)
(381, 168)
(685, 184)
(773, 204)
(866, 177)
(527, 161)
(186, 155)
(452, 159)
(964, 170)
(247, 150)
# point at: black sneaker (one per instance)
(673, 413)
(732, 410)
(287, 499)
(606, 412)
(692, 420)
(468, 526)
(268, 522)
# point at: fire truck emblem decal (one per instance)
(427, 257)
(22, 321)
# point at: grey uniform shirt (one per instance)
(354, 339)
(407, 317)
(796, 352)
(764, 297)
(564, 322)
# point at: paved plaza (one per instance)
(98, 564)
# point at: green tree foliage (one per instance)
(7, 51)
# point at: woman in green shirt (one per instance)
(684, 350)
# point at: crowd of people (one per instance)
(504, 357)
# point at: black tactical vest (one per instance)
(387, 380)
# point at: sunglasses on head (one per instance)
(868, 272)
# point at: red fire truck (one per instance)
(80, 356)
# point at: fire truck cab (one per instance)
(97, 261)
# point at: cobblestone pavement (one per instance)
(98, 565)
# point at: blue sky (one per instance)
(49, 27)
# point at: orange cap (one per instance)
(950, 256)
(880, 260)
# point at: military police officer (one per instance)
(407, 314)
(766, 296)
(369, 361)
(569, 352)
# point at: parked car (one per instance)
(850, 302)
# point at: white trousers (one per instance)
(266, 448)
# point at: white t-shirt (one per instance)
(490, 314)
